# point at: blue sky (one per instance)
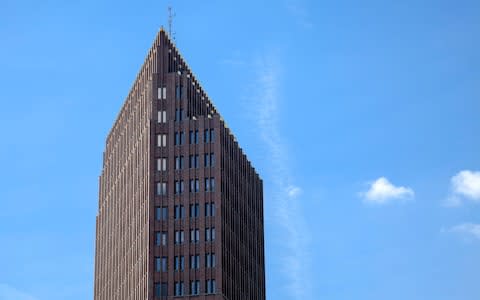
(362, 117)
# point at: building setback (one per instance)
(180, 206)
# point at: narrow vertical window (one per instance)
(179, 237)
(195, 287)
(161, 188)
(178, 92)
(162, 116)
(209, 184)
(161, 289)
(179, 288)
(161, 164)
(194, 210)
(206, 136)
(179, 212)
(212, 209)
(161, 213)
(179, 162)
(207, 209)
(179, 263)
(182, 138)
(194, 235)
(212, 136)
(210, 260)
(210, 286)
(160, 238)
(161, 264)
(178, 115)
(161, 140)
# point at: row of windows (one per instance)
(193, 162)
(179, 186)
(161, 212)
(161, 289)
(161, 263)
(161, 237)
(208, 137)
(194, 236)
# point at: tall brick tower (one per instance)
(180, 211)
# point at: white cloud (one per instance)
(285, 213)
(9, 293)
(468, 230)
(381, 191)
(464, 185)
(293, 191)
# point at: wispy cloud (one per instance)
(288, 215)
(7, 292)
(298, 9)
(382, 191)
(465, 185)
(467, 230)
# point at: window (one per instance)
(178, 115)
(209, 136)
(209, 160)
(179, 288)
(209, 234)
(179, 212)
(194, 210)
(193, 137)
(161, 164)
(161, 289)
(179, 237)
(179, 138)
(209, 184)
(210, 286)
(161, 188)
(162, 116)
(161, 140)
(210, 260)
(178, 92)
(193, 161)
(194, 235)
(160, 238)
(212, 136)
(161, 213)
(206, 136)
(162, 93)
(179, 186)
(161, 264)
(195, 287)
(194, 186)
(178, 162)
(209, 209)
(194, 261)
(179, 263)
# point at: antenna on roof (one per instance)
(171, 15)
